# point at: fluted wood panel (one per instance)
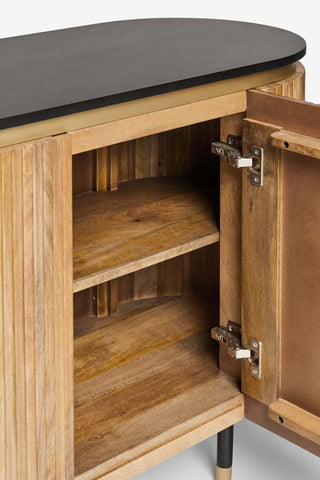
(293, 86)
(36, 397)
(182, 151)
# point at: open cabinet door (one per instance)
(281, 267)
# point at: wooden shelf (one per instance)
(143, 223)
(146, 387)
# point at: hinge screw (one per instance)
(254, 345)
(256, 152)
(256, 179)
(255, 372)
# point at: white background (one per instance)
(258, 453)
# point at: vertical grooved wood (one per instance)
(113, 167)
(166, 153)
(143, 157)
(293, 86)
(113, 297)
(154, 155)
(146, 283)
(29, 309)
(18, 312)
(8, 299)
(102, 166)
(101, 169)
(84, 172)
(127, 154)
(40, 264)
(36, 277)
(170, 277)
(204, 276)
(125, 289)
(3, 448)
(102, 297)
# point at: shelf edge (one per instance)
(119, 271)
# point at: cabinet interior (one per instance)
(146, 294)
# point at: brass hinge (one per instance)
(231, 337)
(252, 160)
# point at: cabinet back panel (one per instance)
(183, 151)
(83, 168)
(192, 274)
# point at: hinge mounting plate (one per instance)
(231, 337)
(252, 160)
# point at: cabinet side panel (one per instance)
(36, 334)
(230, 241)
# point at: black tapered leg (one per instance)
(224, 454)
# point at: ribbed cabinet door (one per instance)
(36, 394)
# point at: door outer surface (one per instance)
(36, 333)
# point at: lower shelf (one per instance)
(148, 386)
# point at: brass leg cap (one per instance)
(223, 473)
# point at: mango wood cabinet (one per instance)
(159, 187)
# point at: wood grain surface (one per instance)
(230, 241)
(261, 257)
(159, 121)
(298, 363)
(36, 378)
(141, 224)
(182, 151)
(261, 311)
(158, 363)
(300, 366)
(294, 142)
(296, 419)
(292, 86)
(258, 413)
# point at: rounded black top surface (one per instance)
(49, 74)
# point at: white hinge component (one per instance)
(231, 337)
(252, 160)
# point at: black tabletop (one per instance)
(50, 74)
